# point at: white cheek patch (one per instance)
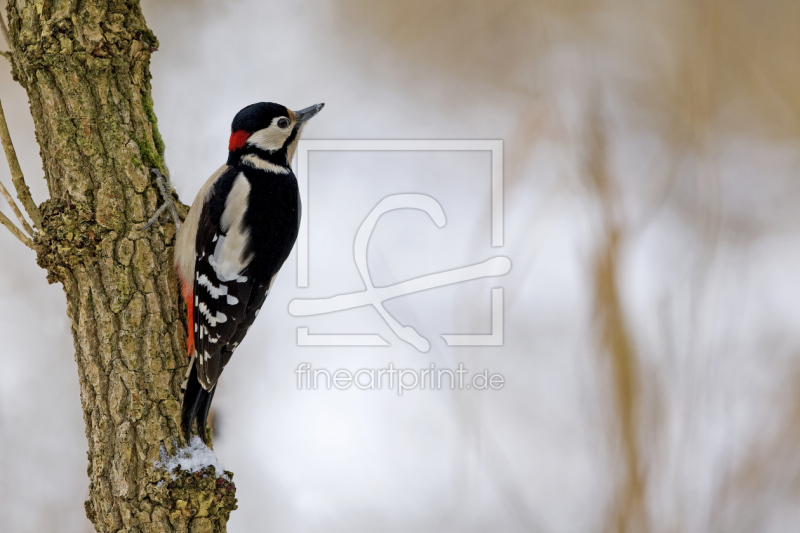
(270, 138)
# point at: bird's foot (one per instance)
(165, 186)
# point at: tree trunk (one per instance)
(85, 67)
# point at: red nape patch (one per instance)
(238, 140)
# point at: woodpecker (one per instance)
(237, 235)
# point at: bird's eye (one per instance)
(282, 123)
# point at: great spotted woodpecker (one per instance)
(237, 235)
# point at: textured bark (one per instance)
(85, 67)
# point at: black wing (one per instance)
(224, 306)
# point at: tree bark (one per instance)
(85, 67)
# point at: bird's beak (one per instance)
(305, 114)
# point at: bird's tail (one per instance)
(196, 403)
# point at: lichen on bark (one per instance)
(85, 67)
(195, 495)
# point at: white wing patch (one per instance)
(225, 271)
(228, 260)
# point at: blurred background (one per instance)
(651, 355)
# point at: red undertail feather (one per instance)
(188, 297)
(238, 140)
(190, 322)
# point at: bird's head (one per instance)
(265, 135)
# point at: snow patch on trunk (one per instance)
(194, 457)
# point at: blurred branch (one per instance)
(629, 512)
(23, 192)
(24, 239)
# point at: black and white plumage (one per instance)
(237, 235)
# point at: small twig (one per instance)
(24, 239)
(17, 212)
(4, 126)
(23, 193)
(6, 36)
